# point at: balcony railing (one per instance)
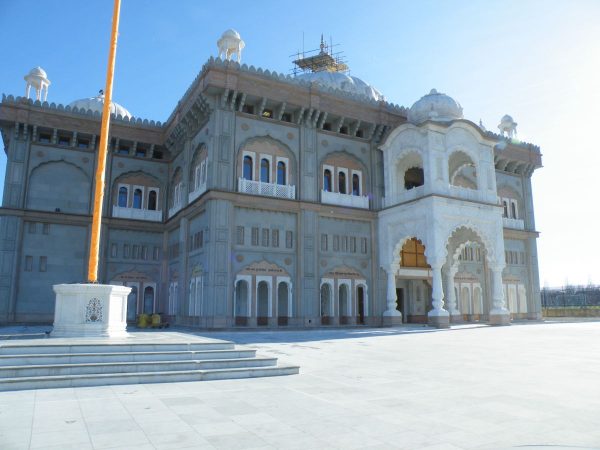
(405, 196)
(335, 198)
(201, 189)
(472, 194)
(516, 224)
(266, 189)
(174, 209)
(136, 213)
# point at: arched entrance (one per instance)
(326, 304)
(360, 304)
(149, 300)
(343, 304)
(282, 304)
(132, 300)
(262, 304)
(241, 307)
(138, 302)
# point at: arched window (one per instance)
(341, 182)
(327, 180)
(281, 173)
(264, 170)
(152, 201)
(513, 209)
(123, 197)
(413, 178)
(247, 167)
(137, 199)
(505, 206)
(355, 184)
(149, 300)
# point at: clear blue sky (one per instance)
(536, 60)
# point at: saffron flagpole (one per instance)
(102, 148)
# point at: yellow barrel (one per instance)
(155, 320)
(143, 320)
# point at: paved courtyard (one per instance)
(527, 385)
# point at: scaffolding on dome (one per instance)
(322, 59)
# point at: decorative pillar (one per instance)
(391, 316)
(438, 316)
(499, 315)
(455, 314)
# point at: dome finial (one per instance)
(231, 44)
(39, 80)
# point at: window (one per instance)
(359, 133)
(248, 109)
(247, 168)
(327, 180)
(135, 252)
(286, 117)
(144, 252)
(240, 235)
(265, 237)
(125, 250)
(156, 254)
(363, 245)
(268, 113)
(28, 263)
(413, 254)
(43, 263)
(123, 197)
(275, 238)
(123, 150)
(264, 170)
(344, 243)
(505, 206)
(336, 243)
(83, 143)
(46, 228)
(414, 177)
(157, 154)
(254, 235)
(344, 129)
(327, 126)
(32, 227)
(281, 173)
(137, 199)
(64, 140)
(513, 209)
(113, 250)
(355, 184)
(44, 138)
(323, 242)
(140, 152)
(341, 182)
(152, 200)
(353, 244)
(289, 239)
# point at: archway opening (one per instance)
(262, 304)
(325, 304)
(360, 300)
(282, 304)
(241, 303)
(413, 254)
(414, 177)
(149, 300)
(462, 171)
(132, 299)
(343, 304)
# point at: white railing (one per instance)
(517, 224)
(201, 189)
(406, 196)
(472, 194)
(135, 213)
(173, 210)
(335, 198)
(266, 189)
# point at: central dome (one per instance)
(435, 106)
(342, 82)
(96, 104)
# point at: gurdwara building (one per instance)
(270, 200)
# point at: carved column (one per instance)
(391, 316)
(451, 294)
(438, 316)
(499, 315)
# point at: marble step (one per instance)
(62, 381)
(80, 358)
(16, 348)
(130, 367)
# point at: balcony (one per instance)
(136, 213)
(201, 189)
(405, 196)
(266, 189)
(472, 194)
(174, 209)
(515, 224)
(354, 201)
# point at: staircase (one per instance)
(143, 358)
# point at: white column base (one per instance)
(438, 318)
(499, 317)
(392, 317)
(90, 310)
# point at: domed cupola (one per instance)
(435, 106)
(96, 104)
